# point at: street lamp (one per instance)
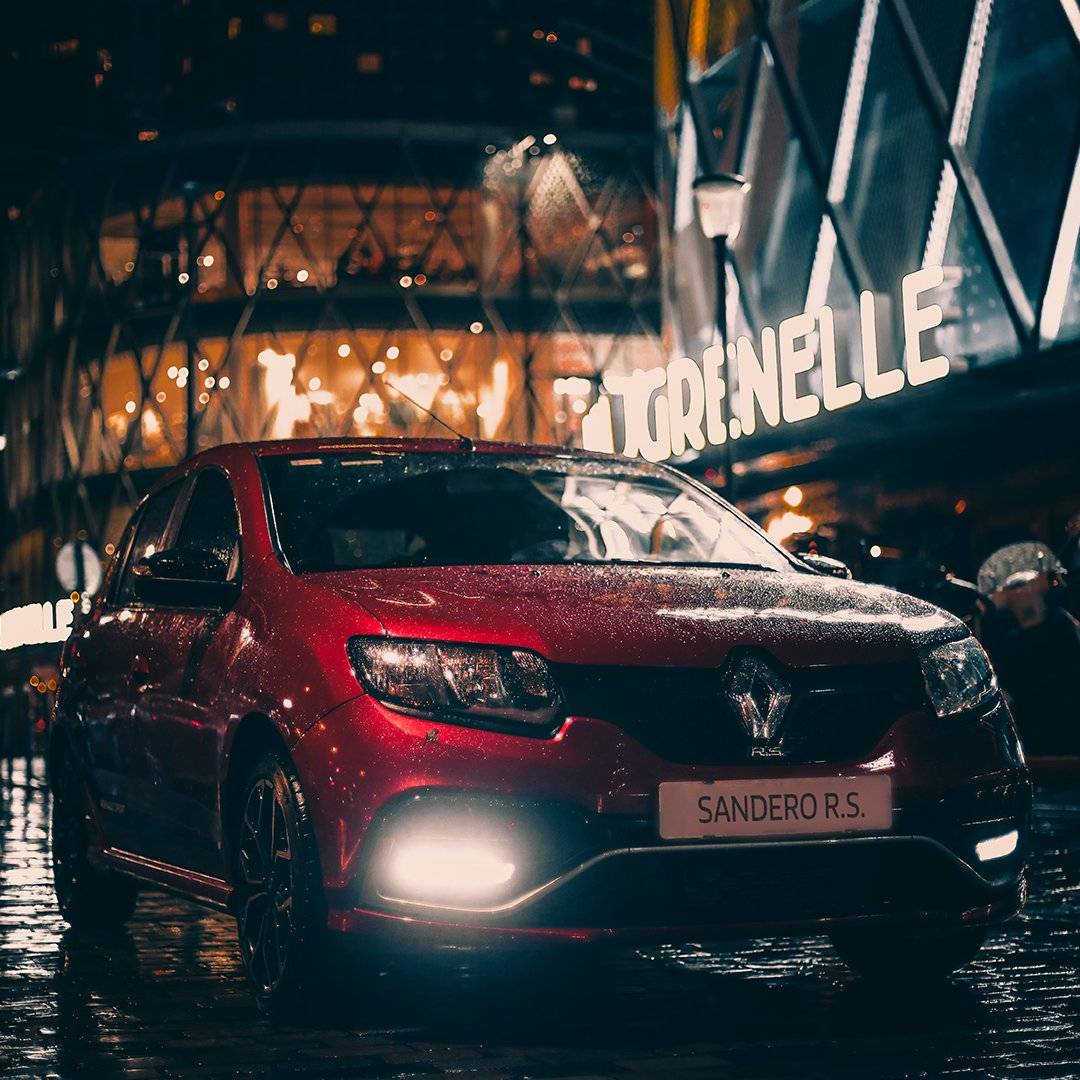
(721, 200)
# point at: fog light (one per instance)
(997, 847)
(444, 872)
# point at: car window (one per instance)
(149, 533)
(210, 520)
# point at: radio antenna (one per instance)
(464, 440)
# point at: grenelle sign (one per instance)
(36, 624)
(689, 414)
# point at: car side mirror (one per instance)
(183, 577)
(956, 596)
(822, 564)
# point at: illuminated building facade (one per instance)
(881, 137)
(257, 220)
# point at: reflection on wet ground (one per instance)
(166, 998)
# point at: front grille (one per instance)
(778, 884)
(684, 715)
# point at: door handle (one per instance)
(139, 675)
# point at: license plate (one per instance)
(692, 810)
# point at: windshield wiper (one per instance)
(669, 564)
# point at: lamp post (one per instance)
(721, 200)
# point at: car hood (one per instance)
(660, 616)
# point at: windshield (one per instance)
(340, 511)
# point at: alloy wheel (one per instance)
(265, 881)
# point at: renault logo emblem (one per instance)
(760, 695)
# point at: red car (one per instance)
(438, 691)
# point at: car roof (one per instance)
(277, 447)
(410, 445)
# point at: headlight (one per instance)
(487, 687)
(957, 676)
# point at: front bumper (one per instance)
(681, 893)
(583, 806)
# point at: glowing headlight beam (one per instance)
(434, 870)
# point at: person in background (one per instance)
(1034, 645)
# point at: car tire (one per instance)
(910, 955)
(89, 898)
(279, 901)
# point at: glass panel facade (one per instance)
(331, 382)
(776, 244)
(1022, 139)
(815, 41)
(725, 101)
(894, 167)
(944, 30)
(881, 137)
(976, 328)
(490, 285)
(728, 26)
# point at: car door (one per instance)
(107, 671)
(175, 715)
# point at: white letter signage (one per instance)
(685, 405)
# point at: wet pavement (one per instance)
(166, 997)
